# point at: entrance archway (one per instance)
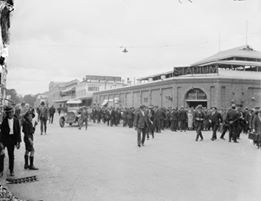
(195, 97)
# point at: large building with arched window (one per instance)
(231, 76)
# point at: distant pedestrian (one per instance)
(256, 125)
(51, 114)
(43, 117)
(199, 118)
(215, 121)
(83, 118)
(141, 124)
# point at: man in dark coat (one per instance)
(130, 117)
(43, 117)
(199, 118)
(174, 120)
(51, 114)
(10, 137)
(215, 120)
(141, 124)
(183, 118)
(150, 129)
(232, 118)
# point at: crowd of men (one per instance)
(146, 120)
(235, 120)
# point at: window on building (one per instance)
(93, 88)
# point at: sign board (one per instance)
(177, 71)
(102, 78)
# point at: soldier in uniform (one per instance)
(28, 130)
(10, 137)
(215, 120)
(199, 118)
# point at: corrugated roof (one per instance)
(242, 51)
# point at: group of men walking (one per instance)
(148, 120)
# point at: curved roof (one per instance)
(242, 51)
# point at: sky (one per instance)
(63, 40)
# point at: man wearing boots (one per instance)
(10, 137)
(28, 130)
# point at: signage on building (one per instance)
(102, 78)
(195, 70)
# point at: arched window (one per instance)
(196, 94)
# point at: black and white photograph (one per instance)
(130, 100)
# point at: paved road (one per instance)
(104, 164)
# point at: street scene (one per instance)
(105, 164)
(130, 100)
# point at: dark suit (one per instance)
(232, 119)
(141, 124)
(216, 119)
(10, 141)
(199, 118)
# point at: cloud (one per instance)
(62, 39)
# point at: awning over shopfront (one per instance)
(74, 101)
(61, 101)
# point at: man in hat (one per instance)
(215, 120)
(43, 117)
(141, 124)
(199, 118)
(83, 118)
(232, 119)
(28, 130)
(10, 137)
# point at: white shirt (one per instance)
(11, 126)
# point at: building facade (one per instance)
(232, 76)
(6, 7)
(60, 92)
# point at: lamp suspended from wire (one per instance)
(124, 49)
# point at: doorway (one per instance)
(195, 97)
(194, 104)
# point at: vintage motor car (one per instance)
(72, 116)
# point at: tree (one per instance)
(30, 99)
(14, 96)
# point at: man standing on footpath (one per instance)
(10, 137)
(28, 130)
(141, 124)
